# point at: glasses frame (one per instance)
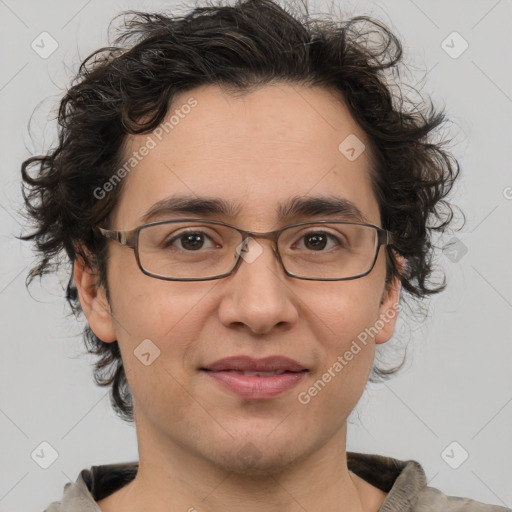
(130, 238)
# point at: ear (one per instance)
(94, 301)
(389, 305)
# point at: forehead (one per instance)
(256, 151)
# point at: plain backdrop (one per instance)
(453, 399)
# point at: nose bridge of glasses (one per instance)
(250, 248)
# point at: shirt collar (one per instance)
(402, 480)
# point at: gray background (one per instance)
(456, 386)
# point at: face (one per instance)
(254, 152)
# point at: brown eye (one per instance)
(316, 241)
(188, 241)
(191, 241)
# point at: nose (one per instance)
(258, 294)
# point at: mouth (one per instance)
(256, 379)
(256, 385)
(246, 364)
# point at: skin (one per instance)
(257, 150)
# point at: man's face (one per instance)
(255, 152)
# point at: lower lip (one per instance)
(255, 387)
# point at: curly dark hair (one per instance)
(127, 89)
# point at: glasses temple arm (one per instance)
(386, 237)
(123, 237)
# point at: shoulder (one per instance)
(431, 498)
(405, 483)
(76, 497)
(93, 485)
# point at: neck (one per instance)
(176, 479)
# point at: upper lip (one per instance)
(250, 364)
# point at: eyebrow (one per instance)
(298, 206)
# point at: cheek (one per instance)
(350, 348)
(146, 307)
(158, 325)
(346, 308)
(347, 357)
(346, 329)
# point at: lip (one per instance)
(254, 387)
(244, 363)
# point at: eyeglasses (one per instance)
(202, 250)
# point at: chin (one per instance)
(251, 461)
(259, 455)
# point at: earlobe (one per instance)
(93, 300)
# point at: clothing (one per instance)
(405, 481)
